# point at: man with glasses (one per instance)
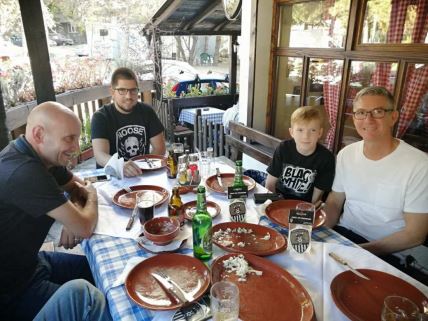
(381, 184)
(126, 126)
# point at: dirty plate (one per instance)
(361, 299)
(189, 209)
(278, 212)
(191, 275)
(275, 295)
(150, 162)
(248, 238)
(227, 180)
(127, 200)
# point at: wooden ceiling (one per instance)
(195, 17)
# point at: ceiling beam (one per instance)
(222, 25)
(202, 14)
(166, 11)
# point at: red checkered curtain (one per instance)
(331, 105)
(417, 86)
(417, 78)
(397, 19)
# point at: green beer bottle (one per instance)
(237, 208)
(237, 181)
(202, 228)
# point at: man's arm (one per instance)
(333, 208)
(101, 147)
(80, 217)
(271, 183)
(413, 234)
(158, 144)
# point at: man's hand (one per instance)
(68, 240)
(130, 169)
(81, 193)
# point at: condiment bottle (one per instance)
(175, 206)
(171, 165)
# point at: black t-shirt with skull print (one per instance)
(298, 174)
(129, 134)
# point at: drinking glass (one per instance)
(204, 165)
(225, 301)
(398, 308)
(145, 202)
(306, 207)
(178, 149)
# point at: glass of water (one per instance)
(225, 301)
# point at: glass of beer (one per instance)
(145, 202)
(225, 301)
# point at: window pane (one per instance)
(314, 24)
(325, 77)
(288, 93)
(389, 21)
(413, 122)
(365, 74)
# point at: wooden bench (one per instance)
(256, 144)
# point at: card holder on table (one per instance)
(262, 197)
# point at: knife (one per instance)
(132, 218)
(343, 262)
(149, 162)
(217, 171)
(170, 288)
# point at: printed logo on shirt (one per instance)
(131, 141)
(298, 179)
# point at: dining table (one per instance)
(210, 114)
(112, 250)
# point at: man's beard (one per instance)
(124, 110)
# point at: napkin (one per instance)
(261, 209)
(128, 267)
(114, 166)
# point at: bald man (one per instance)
(33, 178)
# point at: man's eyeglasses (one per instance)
(375, 113)
(124, 91)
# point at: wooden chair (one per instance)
(245, 140)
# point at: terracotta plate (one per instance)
(189, 273)
(275, 295)
(361, 299)
(157, 162)
(227, 180)
(261, 241)
(189, 209)
(278, 212)
(127, 200)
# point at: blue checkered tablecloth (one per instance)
(108, 256)
(214, 115)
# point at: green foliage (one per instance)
(85, 134)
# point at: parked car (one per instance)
(205, 83)
(61, 40)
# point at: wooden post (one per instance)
(34, 28)
(4, 139)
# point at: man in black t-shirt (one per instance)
(302, 168)
(126, 126)
(33, 178)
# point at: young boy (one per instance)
(302, 168)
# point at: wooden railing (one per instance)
(84, 103)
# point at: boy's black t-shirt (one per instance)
(298, 174)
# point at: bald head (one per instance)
(53, 131)
(49, 114)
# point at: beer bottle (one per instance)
(237, 181)
(202, 228)
(237, 207)
(175, 206)
(171, 165)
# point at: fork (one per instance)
(149, 162)
(127, 189)
(187, 296)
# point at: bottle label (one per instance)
(237, 192)
(237, 210)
